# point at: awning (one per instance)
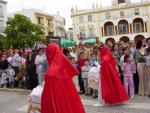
(67, 43)
(90, 41)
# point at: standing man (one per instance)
(82, 54)
(73, 53)
(133, 48)
(109, 44)
(39, 65)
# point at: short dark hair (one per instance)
(148, 50)
(124, 48)
(114, 46)
(126, 57)
(40, 49)
(147, 39)
(139, 44)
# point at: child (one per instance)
(10, 73)
(93, 75)
(3, 79)
(128, 69)
(85, 71)
(147, 69)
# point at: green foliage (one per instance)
(21, 32)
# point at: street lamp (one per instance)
(81, 37)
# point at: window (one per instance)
(138, 27)
(121, 14)
(49, 22)
(91, 32)
(1, 12)
(107, 15)
(81, 19)
(90, 18)
(123, 28)
(40, 20)
(109, 30)
(121, 1)
(137, 11)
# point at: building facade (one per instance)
(123, 21)
(59, 26)
(3, 15)
(51, 24)
(45, 20)
(69, 34)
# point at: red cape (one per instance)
(113, 91)
(59, 94)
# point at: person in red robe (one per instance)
(112, 89)
(59, 93)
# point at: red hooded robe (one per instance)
(59, 94)
(113, 91)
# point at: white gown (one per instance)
(35, 100)
(100, 101)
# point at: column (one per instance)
(103, 31)
(129, 28)
(115, 30)
(132, 28)
(144, 27)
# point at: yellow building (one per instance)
(122, 21)
(45, 20)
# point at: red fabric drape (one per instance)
(60, 66)
(59, 94)
(113, 91)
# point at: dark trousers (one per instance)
(81, 82)
(121, 74)
(16, 69)
(136, 82)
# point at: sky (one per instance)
(54, 6)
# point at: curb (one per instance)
(15, 90)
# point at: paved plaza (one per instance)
(12, 102)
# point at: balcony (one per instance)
(124, 28)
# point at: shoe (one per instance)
(98, 105)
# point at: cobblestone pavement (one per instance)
(12, 102)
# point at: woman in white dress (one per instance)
(39, 60)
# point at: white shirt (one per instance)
(39, 59)
(14, 60)
(74, 54)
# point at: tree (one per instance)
(21, 32)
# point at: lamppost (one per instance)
(81, 37)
